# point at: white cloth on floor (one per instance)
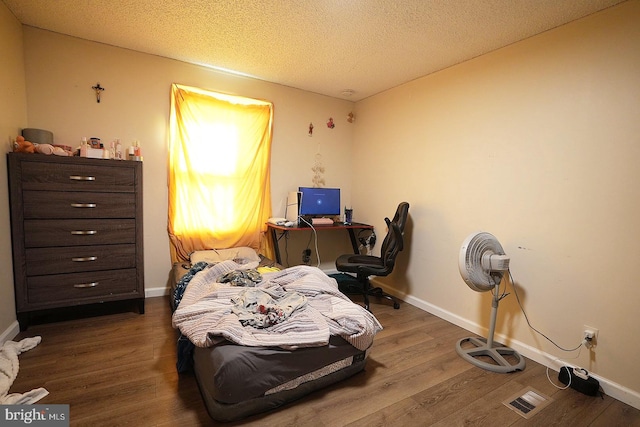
(9, 371)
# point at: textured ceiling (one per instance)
(329, 47)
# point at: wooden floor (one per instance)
(119, 369)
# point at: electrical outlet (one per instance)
(306, 256)
(591, 335)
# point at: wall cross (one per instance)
(98, 89)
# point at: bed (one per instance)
(258, 337)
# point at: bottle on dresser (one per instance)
(83, 147)
(119, 155)
(135, 153)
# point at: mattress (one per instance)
(238, 381)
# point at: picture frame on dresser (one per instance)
(77, 232)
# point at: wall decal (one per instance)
(318, 170)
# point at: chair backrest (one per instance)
(402, 213)
(392, 244)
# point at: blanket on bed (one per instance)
(206, 312)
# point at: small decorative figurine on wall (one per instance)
(98, 89)
(351, 118)
(310, 129)
(330, 123)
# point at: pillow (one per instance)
(241, 255)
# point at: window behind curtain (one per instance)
(219, 177)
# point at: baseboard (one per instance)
(10, 333)
(156, 292)
(611, 388)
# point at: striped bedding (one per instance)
(206, 316)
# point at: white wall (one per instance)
(537, 143)
(13, 117)
(61, 70)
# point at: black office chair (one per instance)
(368, 265)
(401, 215)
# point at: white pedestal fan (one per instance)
(482, 264)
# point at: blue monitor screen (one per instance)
(319, 201)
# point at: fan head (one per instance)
(482, 261)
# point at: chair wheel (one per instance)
(396, 305)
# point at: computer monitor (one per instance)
(318, 202)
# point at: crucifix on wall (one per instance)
(98, 89)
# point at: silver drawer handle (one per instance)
(83, 205)
(84, 259)
(82, 178)
(83, 232)
(86, 285)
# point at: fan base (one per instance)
(495, 352)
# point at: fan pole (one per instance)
(486, 347)
(494, 316)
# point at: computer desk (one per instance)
(273, 228)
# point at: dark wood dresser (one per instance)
(76, 228)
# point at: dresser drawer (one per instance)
(80, 288)
(75, 259)
(76, 204)
(78, 177)
(41, 233)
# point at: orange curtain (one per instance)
(219, 176)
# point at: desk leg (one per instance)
(276, 248)
(354, 242)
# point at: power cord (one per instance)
(286, 246)
(315, 236)
(568, 372)
(585, 342)
(515, 290)
(557, 386)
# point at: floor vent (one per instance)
(528, 402)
